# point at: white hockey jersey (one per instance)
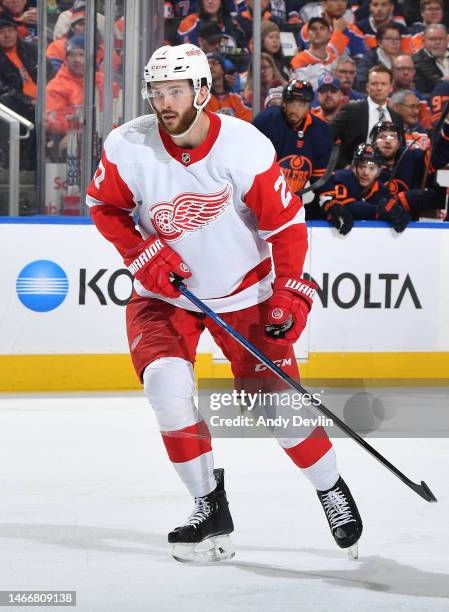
(216, 205)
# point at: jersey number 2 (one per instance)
(286, 195)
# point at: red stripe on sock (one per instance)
(310, 450)
(188, 443)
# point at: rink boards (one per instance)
(382, 310)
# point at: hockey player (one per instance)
(403, 170)
(210, 199)
(302, 141)
(440, 153)
(357, 193)
(399, 158)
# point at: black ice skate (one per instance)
(205, 536)
(342, 515)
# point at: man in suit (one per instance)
(432, 62)
(354, 122)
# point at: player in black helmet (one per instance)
(298, 89)
(403, 164)
(403, 168)
(302, 141)
(357, 193)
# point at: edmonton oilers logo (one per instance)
(42, 285)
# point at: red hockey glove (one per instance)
(152, 262)
(288, 308)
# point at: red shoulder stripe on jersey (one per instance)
(199, 152)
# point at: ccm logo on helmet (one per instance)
(193, 52)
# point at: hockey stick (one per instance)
(421, 489)
(401, 157)
(333, 158)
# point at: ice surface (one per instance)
(88, 496)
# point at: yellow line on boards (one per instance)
(34, 373)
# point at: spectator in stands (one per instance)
(301, 140)
(222, 99)
(66, 91)
(178, 9)
(438, 100)
(56, 50)
(333, 11)
(209, 37)
(24, 15)
(381, 14)
(245, 18)
(284, 11)
(330, 97)
(62, 25)
(345, 70)
(310, 63)
(407, 105)
(269, 77)
(18, 82)
(361, 10)
(357, 193)
(210, 10)
(354, 122)
(18, 70)
(404, 74)
(271, 44)
(274, 97)
(432, 63)
(389, 46)
(431, 13)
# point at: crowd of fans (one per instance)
(336, 68)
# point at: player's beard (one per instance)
(388, 153)
(185, 120)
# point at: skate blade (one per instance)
(353, 551)
(211, 550)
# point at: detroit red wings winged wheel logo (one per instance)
(188, 212)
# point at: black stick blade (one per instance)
(424, 491)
